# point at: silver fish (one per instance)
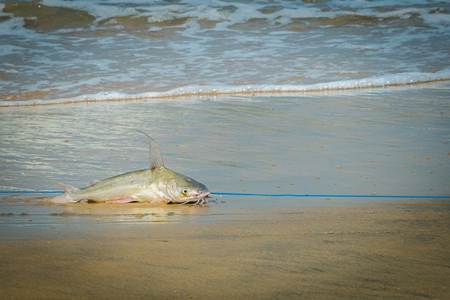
(155, 185)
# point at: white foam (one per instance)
(217, 90)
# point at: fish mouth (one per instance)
(202, 195)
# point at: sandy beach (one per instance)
(389, 249)
(382, 142)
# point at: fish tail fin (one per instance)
(63, 198)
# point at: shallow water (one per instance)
(62, 51)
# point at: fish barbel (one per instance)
(157, 184)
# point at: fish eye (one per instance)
(184, 191)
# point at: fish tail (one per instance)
(66, 197)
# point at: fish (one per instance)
(157, 184)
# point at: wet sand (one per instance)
(389, 249)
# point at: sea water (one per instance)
(55, 51)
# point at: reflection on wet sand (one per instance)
(131, 212)
(32, 212)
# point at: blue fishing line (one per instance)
(44, 192)
(47, 192)
(331, 195)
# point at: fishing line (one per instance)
(39, 192)
(48, 192)
(331, 195)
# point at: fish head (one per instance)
(183, 189)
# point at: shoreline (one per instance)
(245, 91)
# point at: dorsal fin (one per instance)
(156, 160)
